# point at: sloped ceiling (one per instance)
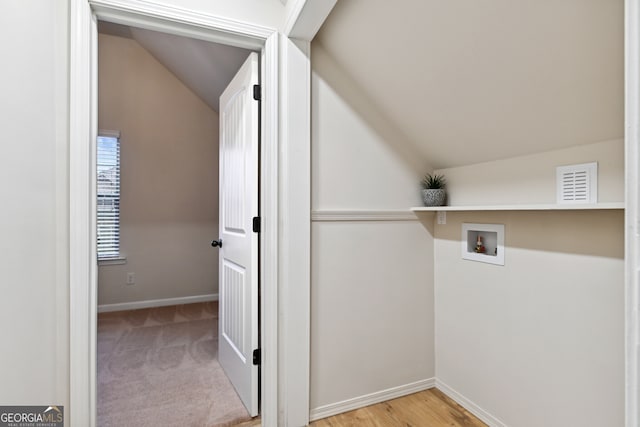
(204, 67)
(473, 81)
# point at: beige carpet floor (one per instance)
(159, 367)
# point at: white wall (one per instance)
(360, 159)
(539, 341)
(34, 246)
(372, 281)
(372, 308)
(169, 178)
(531, 179)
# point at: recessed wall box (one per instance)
(483, 243)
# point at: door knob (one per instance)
(216, 243)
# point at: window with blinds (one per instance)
(108, 168)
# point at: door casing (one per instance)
(285, 397)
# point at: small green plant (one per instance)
(433, 182)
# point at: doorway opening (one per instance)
(157, 290)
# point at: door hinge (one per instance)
(257, 94)
(256, 224)
(256, 356)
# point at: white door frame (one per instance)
(632, 210)
(285, 195)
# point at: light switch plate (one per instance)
(442, 217)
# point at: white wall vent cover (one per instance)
(577, 183)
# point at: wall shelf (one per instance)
(541, 207)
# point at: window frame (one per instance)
(113, 257)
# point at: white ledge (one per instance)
(119, 260)
(542, 207)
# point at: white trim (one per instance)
(306, 17)
(363, 215)
(632, 213)
(109, 133)
(93, 218)
(269, 242)
(184, 22)
(82, 248)
(371, 399)
(536, 207)
(119, 260)
(469, 405)
(294, 14)
(150, 303)
(294, 239)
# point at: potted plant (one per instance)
(433, 192)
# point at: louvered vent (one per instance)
(577, 183)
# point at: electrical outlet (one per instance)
(131, 278)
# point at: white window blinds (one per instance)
(108, 168)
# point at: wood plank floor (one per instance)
(429, 408)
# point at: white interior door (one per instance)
(238, 284)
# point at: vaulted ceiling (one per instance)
(204, 67)
(465, 82)
(473, 81)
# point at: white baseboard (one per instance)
(370, 399)
(470, 406)
(156, 303)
